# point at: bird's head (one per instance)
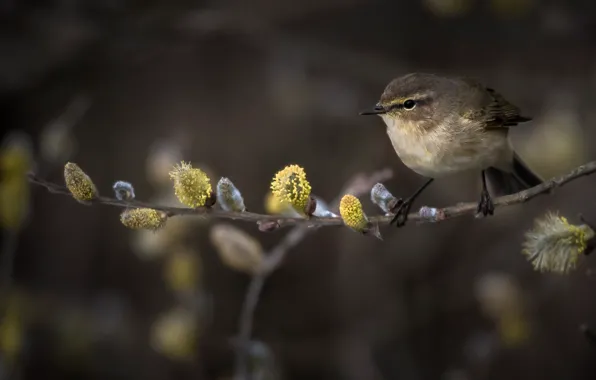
(411, 98)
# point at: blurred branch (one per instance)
(460, 209)
(359, 185)
(589, 334)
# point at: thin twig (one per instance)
(460, 209)
(358, 186)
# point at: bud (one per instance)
(322, 209)
(173, 334)
(291, 186)
(380, 196)
(229, 197)
(79, 184)
(555, 245)
(182, 269)
(311, 206)
(143, 218)
(124, 191)
(237, 249)
(431, 214)
(191, 185)
(268, 225)
(352, 213)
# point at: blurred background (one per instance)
(241, 88)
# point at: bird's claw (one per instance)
(485, 206)
(401, 210)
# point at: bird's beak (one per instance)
(378, 110)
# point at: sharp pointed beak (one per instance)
(378, 110)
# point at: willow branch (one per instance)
(358, 186)
(460, 209)
(304, 226)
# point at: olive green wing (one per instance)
(487, 105)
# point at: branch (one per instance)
(460, 209)
(358, 186)
(303, 226)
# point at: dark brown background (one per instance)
(250, 86)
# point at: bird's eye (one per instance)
(409, 104)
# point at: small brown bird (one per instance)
(440, 126)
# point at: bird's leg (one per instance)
(485, 206)
(402, 209)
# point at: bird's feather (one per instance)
(519, 177)
(490, 107)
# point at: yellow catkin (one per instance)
(291, 186)
(143, 218)
(181, 270)
(173, 334)
(191, 185)
(78, 183)
(352, 213)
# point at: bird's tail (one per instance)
(519, 178)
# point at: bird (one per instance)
(439, 126)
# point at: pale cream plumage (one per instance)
(444, 151)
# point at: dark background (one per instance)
(242, 88)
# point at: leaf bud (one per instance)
(124, 191)
(229, 197)
(381, 197)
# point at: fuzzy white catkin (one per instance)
(380, 196)
(555, 245)
(124, 190)
(229, 197)
(322, 209)
(431, 214)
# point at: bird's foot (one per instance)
(401, 210)
(485, 206)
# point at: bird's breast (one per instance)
(437, 153)
(419, 153)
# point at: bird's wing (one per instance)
(491, 107)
